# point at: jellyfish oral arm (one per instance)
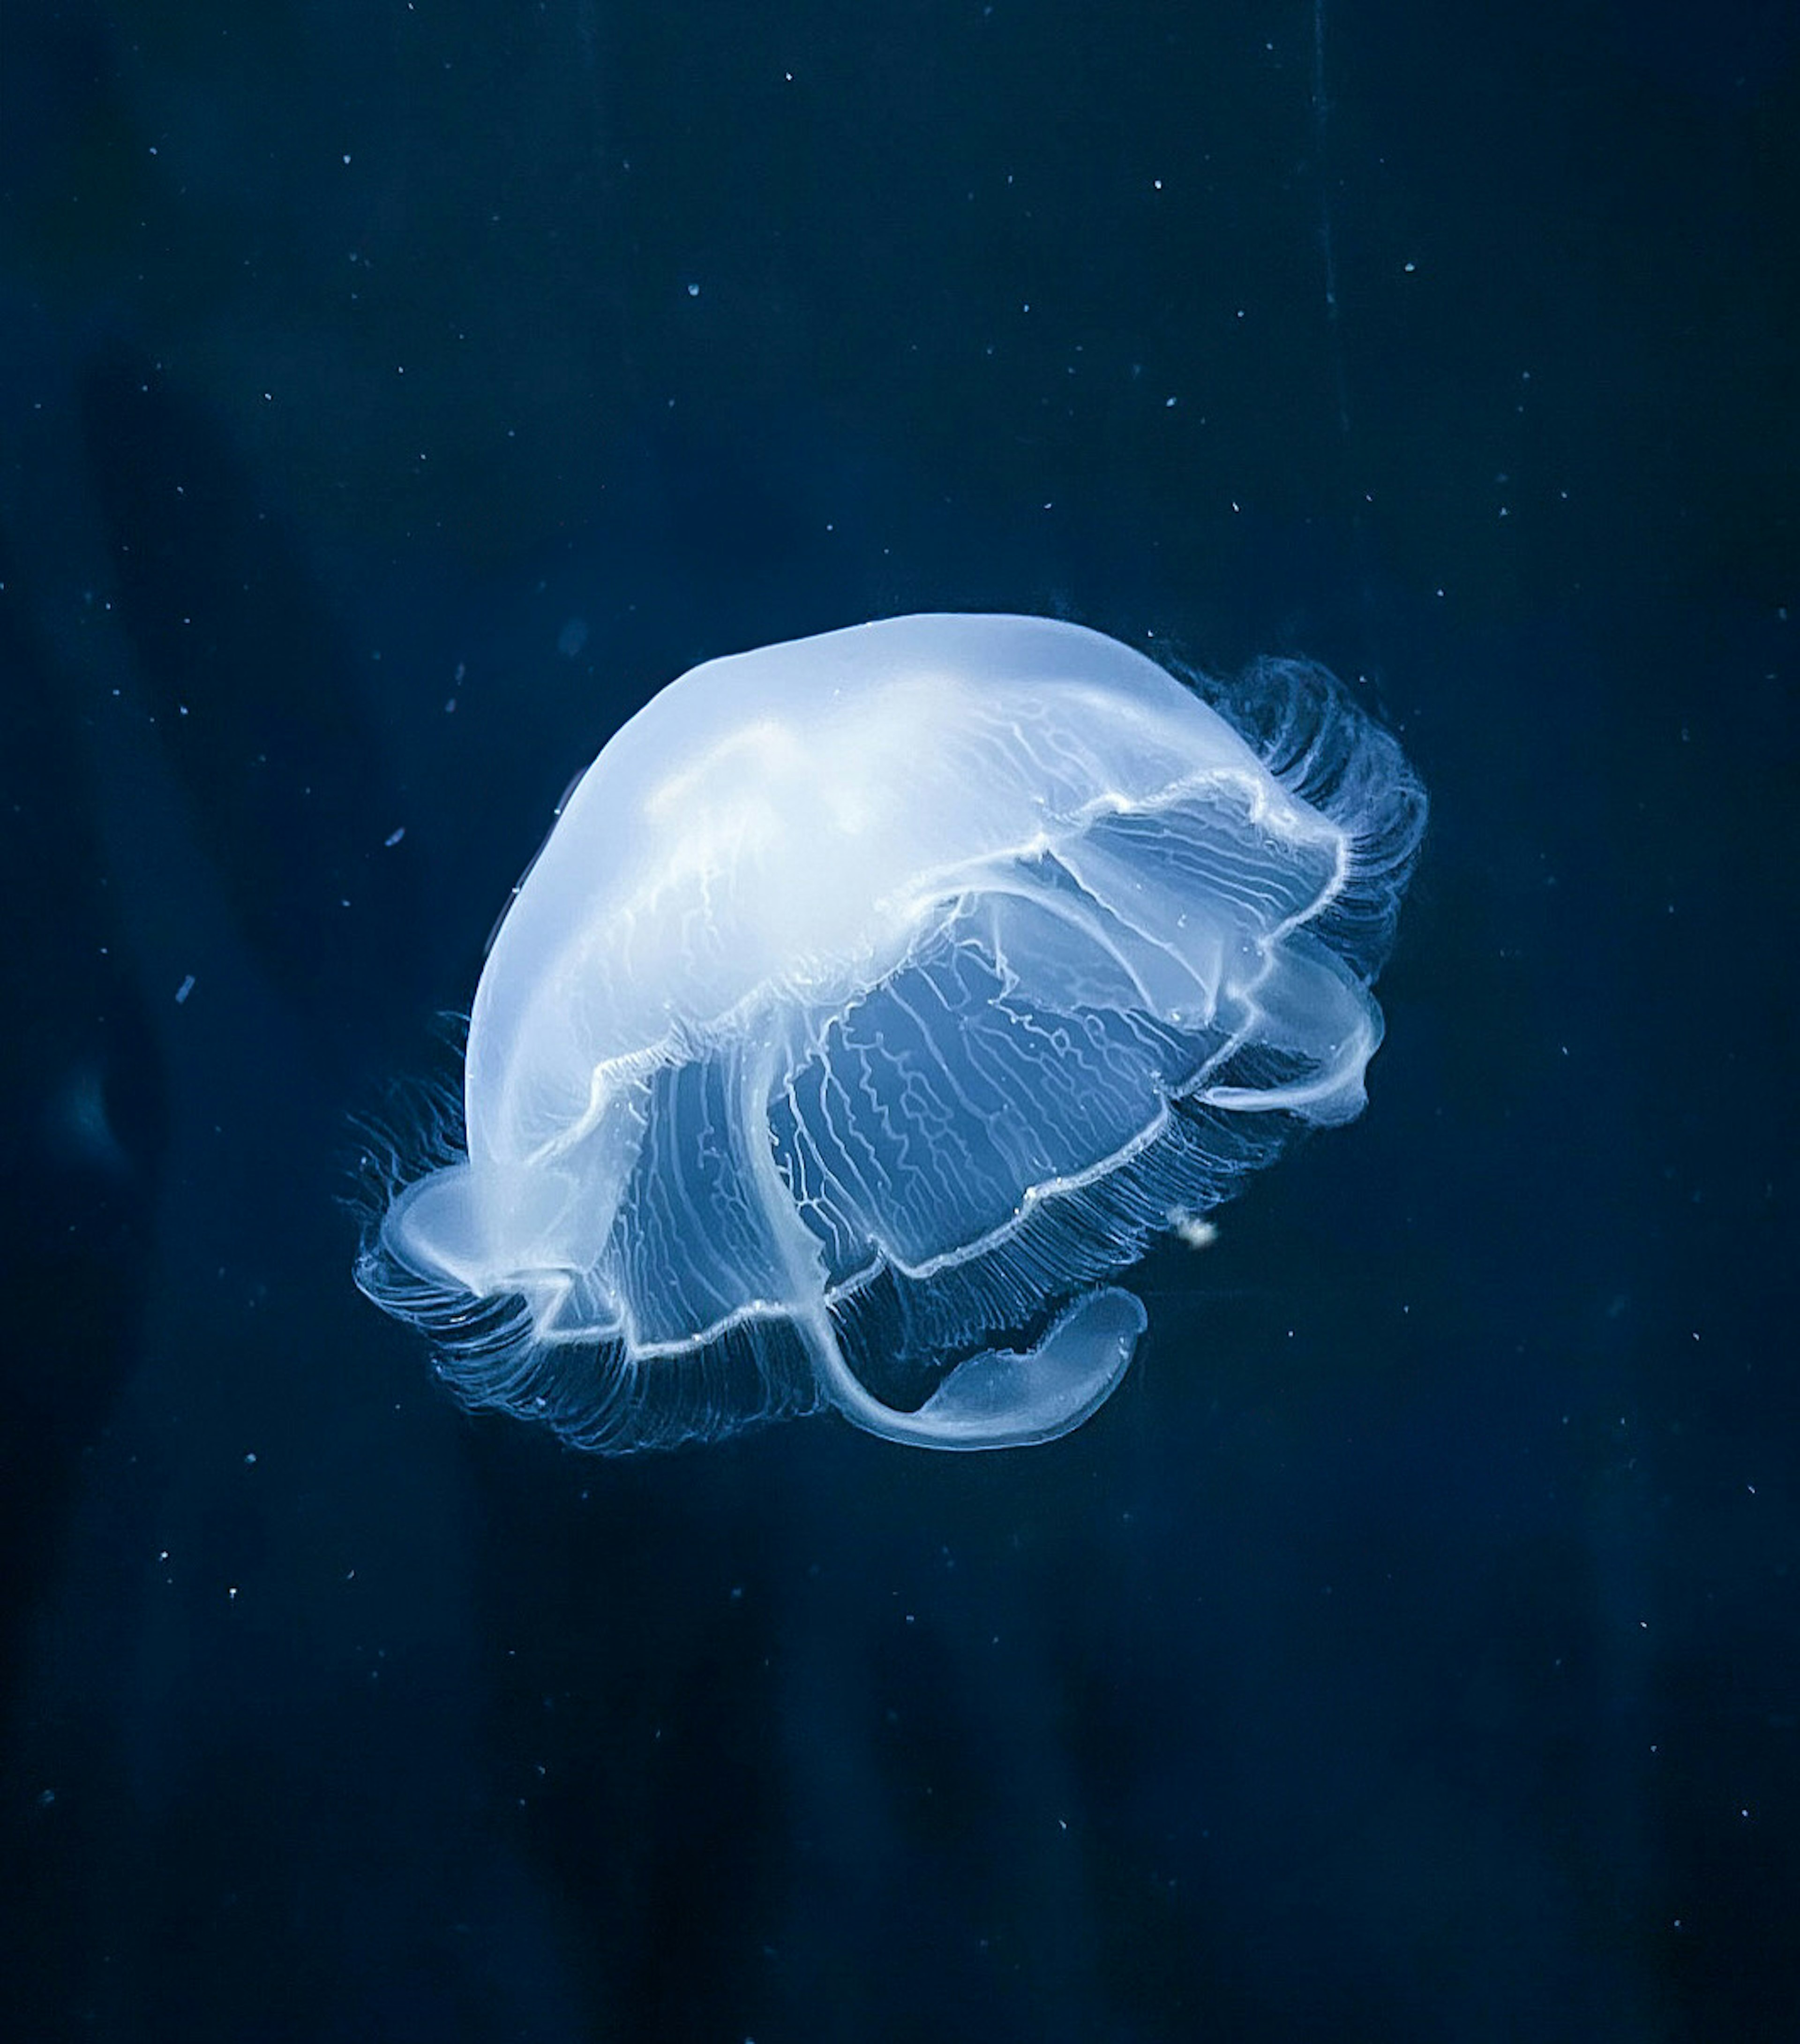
(1309, 1004)
(1005, 1399)
(1002, 1398)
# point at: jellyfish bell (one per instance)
(872, 1001)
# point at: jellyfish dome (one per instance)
(873, 1001)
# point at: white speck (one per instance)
(395, 836)
(184, 989)
(1194, 1229)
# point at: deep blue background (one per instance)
(392, 397)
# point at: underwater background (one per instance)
(392, 396)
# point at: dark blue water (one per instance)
(392, 398)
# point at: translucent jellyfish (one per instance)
(873, 1001)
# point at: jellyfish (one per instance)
(874, 1002)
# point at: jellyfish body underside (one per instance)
(879, 996)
